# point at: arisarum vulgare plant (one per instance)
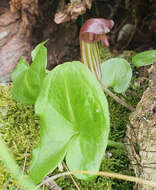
(71, 105)
(92, 32)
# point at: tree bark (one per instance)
(15, 33)
(24, 24)
(141, 134)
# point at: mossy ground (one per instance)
(19, 128)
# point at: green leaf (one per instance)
(144, 58)
(74, 121)
(27, 79)
(37, 49)
(116, 73)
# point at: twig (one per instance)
(76, 185)
(51, 184)
(106, 174)
(25, 159)
(116, 98)
(52, 178)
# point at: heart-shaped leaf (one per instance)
(144, 58)
(116, 73)
(74, 121)
(27, 79)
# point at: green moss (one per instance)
(20, 130)
(127, 54)
(105, 53)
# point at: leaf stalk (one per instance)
(90, 56)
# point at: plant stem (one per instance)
(117, 145)
(116, 98)
(75, 183)
(90, 56)
(106, 174)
